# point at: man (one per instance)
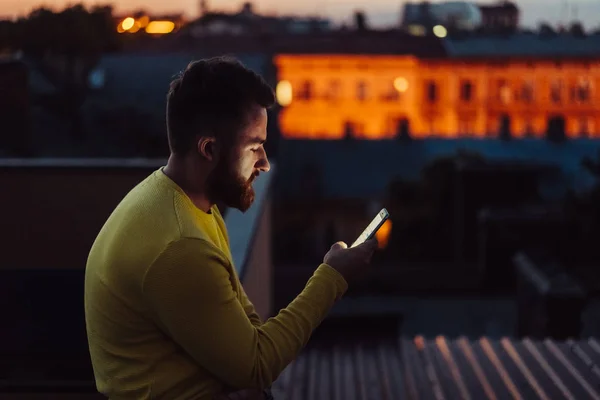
(166, 315)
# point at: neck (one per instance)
(190, 178)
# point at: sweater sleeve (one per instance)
(189, 291)
(249, 309)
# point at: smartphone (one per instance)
(372, 228)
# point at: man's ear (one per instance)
(207, 147)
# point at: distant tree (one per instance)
(546, 29)
(67, 45)
(73, 31)
(576, 29)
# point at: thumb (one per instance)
(370, 244)
(339, 245)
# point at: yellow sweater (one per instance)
(166, 315)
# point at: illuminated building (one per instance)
(523, 85)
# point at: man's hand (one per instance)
(352, 263)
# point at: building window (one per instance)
(503, 93)
(556, 91)
(431, 91)
(361, 91)
(466, 91)
(582, 91)
(527, 92)
(585, 126)
(306, 91)
(466, 127)
(391, 93)
(528, 130)
(333, 90)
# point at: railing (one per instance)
(51, 211)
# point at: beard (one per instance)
(228, 187)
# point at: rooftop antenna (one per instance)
(564, 18)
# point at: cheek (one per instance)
(246, 166)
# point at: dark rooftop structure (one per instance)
(462, 14)
(501, 15)
(125, 115)
(344, 176)
(389, 42)
(361, 42)
(529, 45)
(153, 74)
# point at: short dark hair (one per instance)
(212, 96)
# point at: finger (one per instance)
(339, 245)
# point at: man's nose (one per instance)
(263, 164)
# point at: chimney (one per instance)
(203, 7)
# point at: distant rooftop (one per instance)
(524, 45)
(147, 93)
(361, 42)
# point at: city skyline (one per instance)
(379, 12)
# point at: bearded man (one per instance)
(166, 315)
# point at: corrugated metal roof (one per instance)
(445, 368)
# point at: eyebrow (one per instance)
(256, 140)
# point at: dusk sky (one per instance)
(379, 12)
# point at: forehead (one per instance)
(255, 130)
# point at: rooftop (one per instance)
(379, 356)
(361, 42)
(443, 368)
(328, 42)
(529, 45)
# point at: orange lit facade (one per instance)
(376, 97)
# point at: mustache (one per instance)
(253, 177)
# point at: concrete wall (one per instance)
(258, 275)
(51, 214)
